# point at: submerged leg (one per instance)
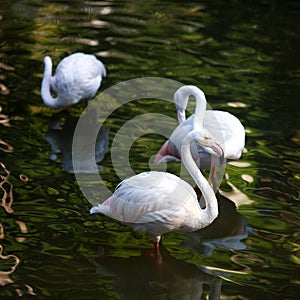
(214, 178)
(156, 240)
(157, 255)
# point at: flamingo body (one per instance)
(154, 212)
(77, 77)
(223, 126)
(159, 202)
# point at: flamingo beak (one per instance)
(217, 150)
(220, 153)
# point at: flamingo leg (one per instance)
(156, 240)
(154, 253)
(214, 178)
(157, 255)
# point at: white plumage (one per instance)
(158, 202)
(77, 77)
(223, 126)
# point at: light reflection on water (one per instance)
(10, 262)
(244, 59)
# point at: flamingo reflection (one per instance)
(226, 232)
(140, 277)
(61, 139)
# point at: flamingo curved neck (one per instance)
(45, 90)
(211, 210)
(181, 98)
(200, 106)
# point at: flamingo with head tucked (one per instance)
(159, 202)
(223, 126)
(77, 77)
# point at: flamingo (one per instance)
(223, 126)
(160, 202)
(77, 77)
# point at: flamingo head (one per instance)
(203, 139)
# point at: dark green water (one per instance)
(245, 57)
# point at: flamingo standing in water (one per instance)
(159, 202)
(77, 77)
(223, 126)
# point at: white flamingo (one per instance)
(159, 202)
(223, 126)
(77, 77)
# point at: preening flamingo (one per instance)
(77, 77)
(223, 126)
(159, 202)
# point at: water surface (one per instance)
(245, 58)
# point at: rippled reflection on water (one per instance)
(244, 58)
